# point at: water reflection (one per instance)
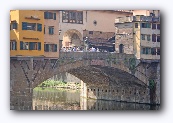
(66, 99)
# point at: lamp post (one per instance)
(86, 43)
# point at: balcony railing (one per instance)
(137, 18)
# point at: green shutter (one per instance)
(31, 46)
(55, 48)
(52, 30)
(46, 14)
(15, 45)
(24, 25)
(39, 45)
(46, 47)
(21, 45)
(39, 27)
(54, 16)
(49, 30)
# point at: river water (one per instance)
(68, 99)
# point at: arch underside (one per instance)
(106, 76)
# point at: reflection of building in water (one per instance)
(71, 100)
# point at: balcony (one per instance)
(124, 19)
(141, 18)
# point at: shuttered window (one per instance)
(24, 25)
(39, 27)
(51, 30)
(21, 45)
(50, 47)
(13, 45)
(39, 45)
(13, 25)
(49, 15)
(54, 16)
(46, 47)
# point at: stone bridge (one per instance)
(104, 75)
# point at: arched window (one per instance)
(121, 48)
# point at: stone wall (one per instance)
(127, 94)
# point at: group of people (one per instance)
(80, 49)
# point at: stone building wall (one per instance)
(124, 35)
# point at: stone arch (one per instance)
(72, 38)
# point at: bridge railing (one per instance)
(94, 55)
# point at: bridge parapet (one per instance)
(94, 55)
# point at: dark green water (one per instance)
(66, 99)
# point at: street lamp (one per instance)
(86, 42)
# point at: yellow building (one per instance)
(26, 33)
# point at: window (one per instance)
(30, 45)
(145, 50)
(143, 36)
(33, 46)
(158, 26)
(148, 38)
(158, 38)
(153, 26)
(28, 26)
(158, 51)
(13, 25)
(136, 25)
(146, 25)
(50, 47)
(153, 51)
(39, 45)
(39, 27)
(65, 16)
(13, 45)
(49, 15)
(90, 32)
(24, 45)
(51, 30)
(153, 37)
(79, 18)
(54, 16)
(72, 17)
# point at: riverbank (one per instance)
(60, 84)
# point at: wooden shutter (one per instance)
(21, 45)
(55, 48)
(15, 43)
(39, 27)
(31, 46)
(39, 45)
(46, 47)
(24, 25)
(46, 14)
(54, 16)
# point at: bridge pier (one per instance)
(21, 100)
(83, 96)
